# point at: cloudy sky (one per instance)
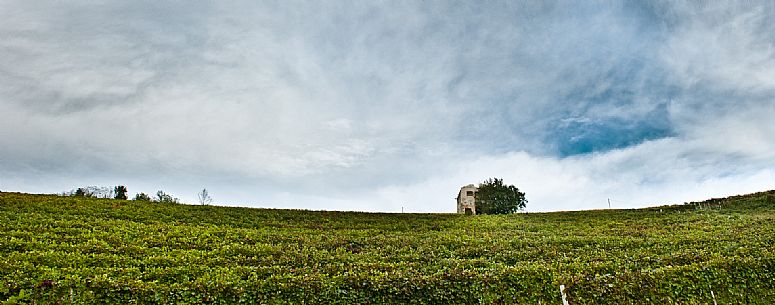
(379, 105)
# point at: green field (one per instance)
(67, 250)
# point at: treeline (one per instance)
(119, 192)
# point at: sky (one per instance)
(381, 106)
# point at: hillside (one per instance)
(67, 250)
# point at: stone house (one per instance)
(465, 200)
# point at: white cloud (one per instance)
(728, 48)
(654, 173)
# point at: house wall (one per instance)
(464, 200)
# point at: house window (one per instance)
(469, 193)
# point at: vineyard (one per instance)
(69, 250)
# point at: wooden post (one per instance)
(564, 298)
(714, 297)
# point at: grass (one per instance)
(67, 250)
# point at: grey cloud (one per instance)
(342, 100)
(75, 56)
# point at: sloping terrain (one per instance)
(80, 250)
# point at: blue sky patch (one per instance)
(581, 136)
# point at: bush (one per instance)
(120, 191)
(165, 198)
(142, 197)
(494, 197)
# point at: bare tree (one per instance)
(204, 197)
(93, 192)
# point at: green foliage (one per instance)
(120, 192)
(81, 192)
(163, 197)
(494, 197)
(142, 197)
(73, 250)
